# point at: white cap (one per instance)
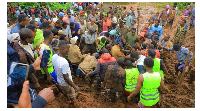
(73, 40)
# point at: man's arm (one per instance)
(163, 67)
(138, 86)
(163, 85)
(96, 71)
(67, 79)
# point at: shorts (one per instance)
(79, 72)
(163, 23)
(68, 91)
(179, 67)
(54, 77)
(127, 93)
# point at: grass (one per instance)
(140, 8)
(151, 12)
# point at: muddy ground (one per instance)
(179, 98)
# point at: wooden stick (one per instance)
(183, 73)
(138, 24)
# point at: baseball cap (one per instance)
(60, 32)
(129, 11)
(61, 14)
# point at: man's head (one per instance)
(96, 55)
(124, 8)
(154, 43)
(174, 7)
(63, 37)
(157, 13)
(151, 53)
(128, 13)
(93, 12)
(146, 35)
(113, 26)
(88, 12)
(121, 24)
(33, 28)
(115, 10)
(63, 47)
(81, 13)
(155, 37)
(134, 56)
(91, 31)
(105, 51)
(103, 39)
(146, 26)
(23, 19)
(120, 61)
(43, 19)
(33, 16)
(48, 35)
(60, 32)
(61, 15)
(135, 47)
(72, 24)
(108, 47)
(106, 34)
(177, 47)
(133, 30)
(64, 25)
(188, 7)
(26, 35)
(59, 23)
(148, 62)
(109, 9)
(129, 64)
(34, 23)
(69, 14)
(81, 21)
(157, 21)
(46, 25)
(166, 37)
(109, 15)
(183, 22)
(93, 20)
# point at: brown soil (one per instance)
(179, 98)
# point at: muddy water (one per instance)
(179, 98)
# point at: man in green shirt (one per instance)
(39, 34)
(131, 37)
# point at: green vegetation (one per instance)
(52, 5)
(151, 12)
(180, 5)
(139, 8)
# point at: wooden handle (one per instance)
(183, 73)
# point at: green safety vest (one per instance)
(131, 79)
(101, 44)
(149, 94)
(50, 68)
(156, 67)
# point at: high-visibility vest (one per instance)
(156, 67)
(50, 68)
(149, 94)
(131, 79)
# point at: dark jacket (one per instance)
(12, 56)
(102, 65)
(25, 56)
(17, 28)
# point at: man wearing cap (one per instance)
(75, 57)
(75, 30)
(92, 25)
(116, 39)
(164, 16)
(129, 19)
(57, 27)
(131, 37)
(90, 38)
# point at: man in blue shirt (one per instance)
(75, 30)
(157, 27)
(181, 53)
(22, 22)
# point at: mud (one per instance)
(178, 98)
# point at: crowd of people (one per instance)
(97, 46)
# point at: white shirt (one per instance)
(140, 61)
(61, 66)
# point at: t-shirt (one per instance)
(130, 39)
(61, 66)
